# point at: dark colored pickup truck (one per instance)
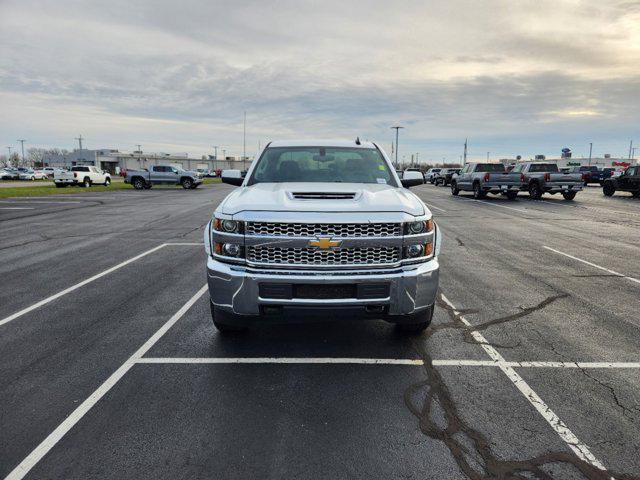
(483, 178)
(591, 173)
(629, 181)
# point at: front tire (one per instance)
(477, 191)
(511, 195)
(107, 182)
(535, 191)
(454, 189)
(138, 184)
(608, 189)
(187, 183)
(569, 195)
(224, 321)
(417, 322)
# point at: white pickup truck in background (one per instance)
(83, 175)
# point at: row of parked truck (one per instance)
(536, 178)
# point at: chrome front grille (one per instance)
(328, 229)
(313, 256)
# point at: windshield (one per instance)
(490, 167)
(322, 164)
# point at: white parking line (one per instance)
(380, 361)
(17, 208)
(85, 282)
(282, 360)
(574, 443)
(434, 207)
(54, 437)
(613, 272)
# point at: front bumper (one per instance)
(236, 288)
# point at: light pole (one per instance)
(397, 130)
(590, 150)
(139, 148)
(215, 152)
(244, 142)
(22, 146)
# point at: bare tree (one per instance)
(35, 156)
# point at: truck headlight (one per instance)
(228, 249)
(227, 226)
(418, 250)
(415, 228)
(231, 249)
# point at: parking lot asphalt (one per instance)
(110, 366)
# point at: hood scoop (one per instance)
(323, 195)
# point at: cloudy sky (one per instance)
(516, 77)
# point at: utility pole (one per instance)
(79, 138)
(630, 148)
(417, 162)
(22, 146)
(215, 151)
(590, 150)
(244, 142)
(633, 152)
(397, 130)
(464, 159)
(139, 148)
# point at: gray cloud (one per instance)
(168, 72)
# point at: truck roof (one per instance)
(321, 143)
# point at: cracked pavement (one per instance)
(320, 420)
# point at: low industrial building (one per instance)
(114, 161)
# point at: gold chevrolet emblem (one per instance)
(324, 243)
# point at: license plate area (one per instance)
(288, 291)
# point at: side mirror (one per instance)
(411, 179)
(232, 177)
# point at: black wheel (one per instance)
(187, 183)
(418, 322)
(223, 321)
(635, 194)
(107, 182)
(535, 191)
(139, 183)
(454, 189)
(608, 190)
(569, 195)
(511, 195)
(86, 183)
(477, 191)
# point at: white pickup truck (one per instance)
(83, 175)
(322, 230)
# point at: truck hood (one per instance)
(316, 197)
